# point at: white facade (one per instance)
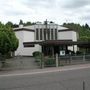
(38, 32)
(68, 35)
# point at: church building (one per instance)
(47, 38)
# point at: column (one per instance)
(54, 34)
(35, 33)
(39, 33)
(50, 33)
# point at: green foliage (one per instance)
(9, 24)
(37, 56)
(8, 40)
(21, 22)
(4, 43)
(36, 53)
(49, 62)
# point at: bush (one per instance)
(36, 53)
(78, 52)
(37, 56)
(49, 62)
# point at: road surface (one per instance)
(60, 80)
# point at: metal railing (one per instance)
(65, 60)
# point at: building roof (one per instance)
(24, 29)
(32, 27)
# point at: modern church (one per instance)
(48, 38)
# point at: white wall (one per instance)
(28, 36)
(65, 35)
(74, 34)
(28, 51)
(68, 35)
(20, 36)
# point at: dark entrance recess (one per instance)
(52, 50)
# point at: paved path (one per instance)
(45, 70)
(19, 63)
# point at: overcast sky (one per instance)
(59, 11)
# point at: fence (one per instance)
(65, 60)
(29, 62)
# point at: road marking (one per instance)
(46, 71)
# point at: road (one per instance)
(64, 80)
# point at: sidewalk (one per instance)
(45, 70)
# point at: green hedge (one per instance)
(36, 53)
(49, 62)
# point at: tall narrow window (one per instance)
(48, 34)
(44, 34)
(51, 34)
(40, 34)
(37, 36)
(55, 34)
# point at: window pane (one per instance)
(44, 34)
(48, 34)
(51, 34)
(55, 34)
(37, 36)
(40, 34)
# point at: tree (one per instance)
(4, 43)
(21, 22)
(9, 24)
(13, 40)
(86, 26)
(15, 25)
(8, 40)
(27, 23)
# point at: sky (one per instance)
(58, 11)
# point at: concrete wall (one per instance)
(28, 51)
(20, 36)
(26, 36)
(68, 35)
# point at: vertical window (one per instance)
(48, 34)
(51, 34)
(37, 36)
(55, 34)
(44, 34)
(40, 34)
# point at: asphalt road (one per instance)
(65, 80)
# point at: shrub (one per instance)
(36, 53)
(49, 62)
(37, 56)
(78, 52)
